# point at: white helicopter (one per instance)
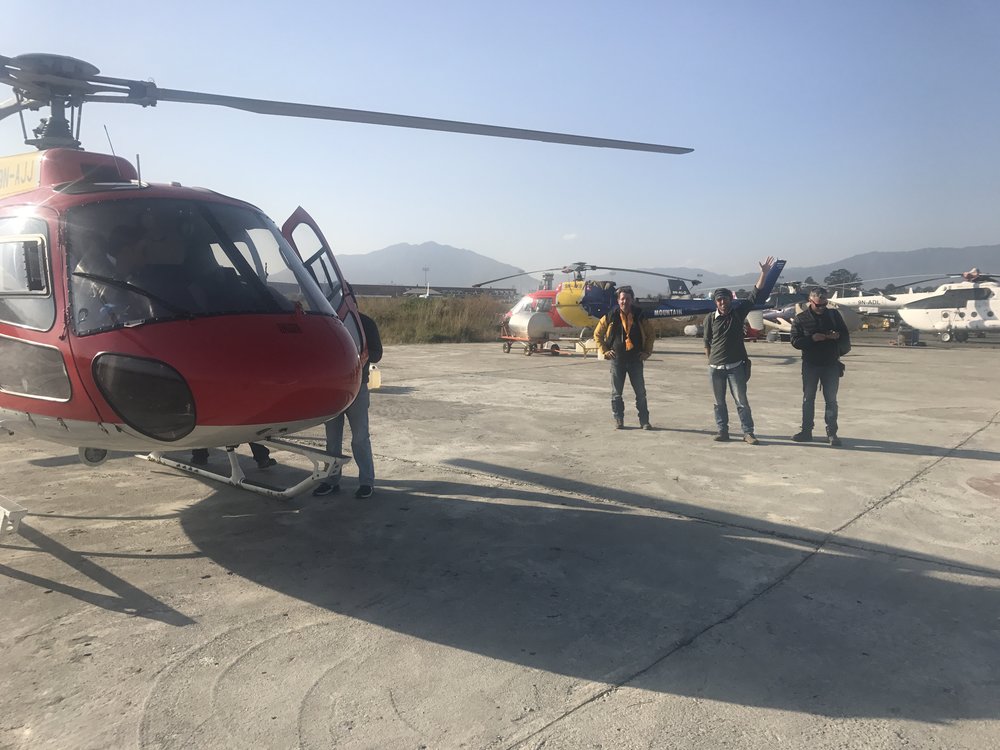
(880, 302)
(953, 311)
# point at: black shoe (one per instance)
(646, 426)
(364, 491)
(833, 439)
(619, 423)
(749, 438)
(722, 437)
(805, 436)
(326, 489)
(266, 463)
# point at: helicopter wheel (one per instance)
(506, 347)
(554, 350)
(961, 337)
(946, 336)
(93, 456)
(529, 349)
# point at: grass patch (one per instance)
(457, 320)
(449, 320)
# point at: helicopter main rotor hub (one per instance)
(56, 81)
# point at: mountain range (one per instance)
(404, 264)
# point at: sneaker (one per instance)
(749, 438)
(646, 426)
(326, 489)
(364, 491)
(805, 436)
(721, 437)
(266, 463)
(833, 439)
(619, 423)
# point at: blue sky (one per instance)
(820, 130)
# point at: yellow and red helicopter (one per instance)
(546, 319)
(154, 317)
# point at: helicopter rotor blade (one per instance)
(692, 282)
(318, 112)
(48, 78)
(515, 275)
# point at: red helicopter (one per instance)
(153, 317)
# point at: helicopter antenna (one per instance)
(107, 133)
(138, 169)
(112, 147)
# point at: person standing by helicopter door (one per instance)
(357, 416)
(626, 337)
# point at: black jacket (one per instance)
(374, 342)
(828, 351)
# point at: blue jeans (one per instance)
(812, 376)
(632, 366)
(737, 381)
(361, 444)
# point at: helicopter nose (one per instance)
(166, 379)
(306, 371)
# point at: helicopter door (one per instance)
(308, 241)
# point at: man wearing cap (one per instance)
(727, 355)
(625, 337)
(822, 337)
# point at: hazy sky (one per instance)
(820, 129)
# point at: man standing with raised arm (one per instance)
(727, 355)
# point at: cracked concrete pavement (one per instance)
(527, 577)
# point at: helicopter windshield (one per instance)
(153, 259)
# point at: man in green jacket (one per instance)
(727, 355)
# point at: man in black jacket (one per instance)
(822, 337)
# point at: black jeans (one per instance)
(812, 376)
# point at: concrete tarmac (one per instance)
(527, 577)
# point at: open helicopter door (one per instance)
(305, 237)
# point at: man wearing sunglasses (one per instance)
(822, 337)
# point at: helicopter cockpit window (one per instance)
(146, 260)
(544, 305)
(523, 306)
(22, 260)
(25, 292)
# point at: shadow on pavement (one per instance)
(124, 597)
(599, 592)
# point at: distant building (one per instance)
(396, 290)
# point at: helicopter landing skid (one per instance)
(10, 516)
(324, 466)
